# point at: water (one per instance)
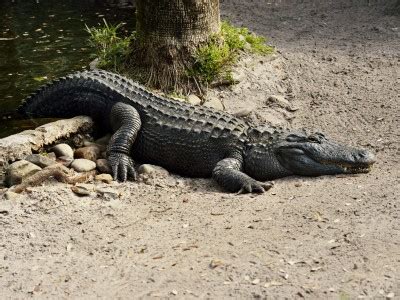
(41, 40)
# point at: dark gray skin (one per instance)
(190, 140)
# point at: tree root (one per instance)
(58, 172)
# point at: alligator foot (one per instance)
(122, 166)
(254, 186)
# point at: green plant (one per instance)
(111, 50)
(214, 60)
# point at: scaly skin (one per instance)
(190, 140)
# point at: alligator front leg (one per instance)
(228, 174)
(125, 122)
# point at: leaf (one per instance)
(40, 78)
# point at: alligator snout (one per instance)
(364, 157)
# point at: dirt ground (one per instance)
(328, 237)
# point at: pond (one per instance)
(41, 40)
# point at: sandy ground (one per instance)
(328, 237)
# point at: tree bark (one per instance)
(168, 34)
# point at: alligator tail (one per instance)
(70, 96)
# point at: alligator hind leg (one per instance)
(125, 122)
(227, 173)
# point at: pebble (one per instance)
(106, 178)
(19, 170)
(243, 112)
(83, 165)
(148, 169)
(65, 160)
(91, 152)
(103, 166)
(9, 195)
(63, 150)
(104, 140)
(108, 192)
(40, 160)
(216, 263)
(279, 100)
(215, 103)
(82, 189)
(193, 99)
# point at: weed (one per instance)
(214, 60)
(111, 50)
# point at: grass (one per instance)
(110, 49)
(212, 62)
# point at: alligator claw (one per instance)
(255, 187)
(122, 166)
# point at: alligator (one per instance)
(194, 141)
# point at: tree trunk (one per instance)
(168, 34)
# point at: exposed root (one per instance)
(58, 172)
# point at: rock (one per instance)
(215, 103)
(243, 112)
(9, 195)
(106, 178)
(17, 146)
(83, 189)
(10, 207)
(90, 152)
(108, 192)
(83, 165)
(94, 64)
(100, 146)
(279, 100)
(104, 140)
(40, 160)
(63, 150)
(65, 160)
(193, 99)
(103, 166)
(147, 169)
(19, 170)
(51, 155)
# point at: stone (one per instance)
(63, 150)
(17, 146)
(65, 160)
(10, 195)
(51, 155)
(193, 99)
(279, 100)
(83, 165)
(106, 178)
(152, 170)
(83, 189)
(19, 170)
(104, 140)
(40, 160)
(108, 193)
(215, 103)
(103, 166)
(90, 152)
(243, 112)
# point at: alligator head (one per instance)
(298, 153)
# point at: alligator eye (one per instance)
(314, 139)
(293, 138)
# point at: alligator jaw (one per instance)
(355, 169)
